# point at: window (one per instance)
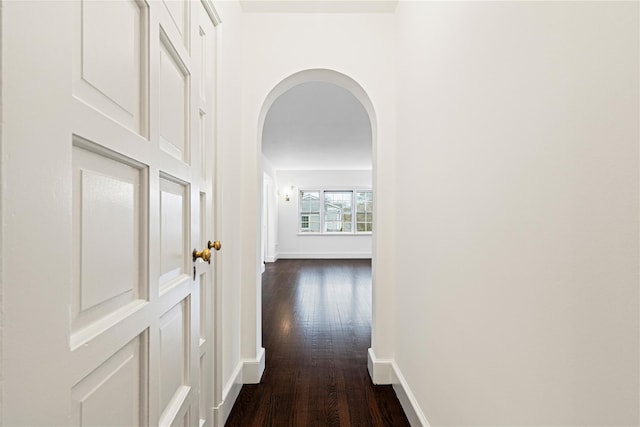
(364, 211)
(325, 211)
(337, 211)
(310, 211)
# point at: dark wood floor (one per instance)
(316, 325)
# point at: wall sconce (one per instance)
(287, 193)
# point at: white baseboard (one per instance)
(324, 255)
(407, 400)
(271, 258)
(384, 372)
(380, 370)
(247, 371)
(252, 369)
(230, 393)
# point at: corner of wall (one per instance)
(273, 258)
(380, 370)
(253, 369)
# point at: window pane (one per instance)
(314, 223)
(309, 201)
(310, 211)
(337, 211)
(364, 211)
(310, 223)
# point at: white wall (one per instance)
(275, 47)
(270, 212)
(230, 167)
(513, 129)
(260, 52)
(268, 167)
(293, 245)
(518, 293)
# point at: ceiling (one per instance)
(317, 125)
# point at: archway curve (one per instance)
(318, 75)
(344, 81)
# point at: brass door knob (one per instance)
(215, 245)
(204, 254)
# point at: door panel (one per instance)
(175, 367)
(174, 94)
(115, 391)
(118, 315)
(179, 12)
(110, 67)
(108, 199)
(174, 233)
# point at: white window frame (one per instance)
(355, 210)
(353, 191)
(321, 204)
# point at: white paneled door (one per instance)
(108, 188)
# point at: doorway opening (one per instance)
(317, 139)
(314, 126)
(318, 183)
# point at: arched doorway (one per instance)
(356, 90)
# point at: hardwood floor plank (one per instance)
(316, 331)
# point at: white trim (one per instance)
(362, 233)
(385, 372)
(247, 371)
(229, 395)
(223, 397)
(407, 400)
(321, 198)
(212, 12)
(324, 255)
(252, 369)
(272, 258)
(380, 370)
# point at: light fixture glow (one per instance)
(287, 192)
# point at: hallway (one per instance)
(316, 331)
